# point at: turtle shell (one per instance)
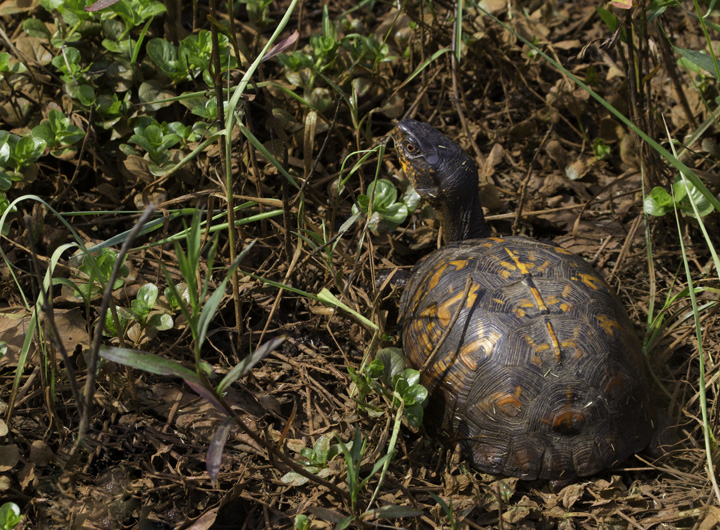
(537, 373)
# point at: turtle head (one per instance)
(444, 175)
(437, 167)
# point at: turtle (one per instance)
(531, 361)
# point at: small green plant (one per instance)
(659, 202)
(191, 58)
(10, 516)
(73, 74)
(73, 14)
(93, 274)
(155, 139)
(59, 133)
(16, 154)
(140, 313)
(353, 454)
(258, 11)
(301, 522)
(111, 109)
(315, 459)
(600, 149)
(69, 62)
(135, 12)
(198, 305)
(382, 205)
(387, 377)
(8, 67)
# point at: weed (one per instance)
(10, 516)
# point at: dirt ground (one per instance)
(554, 164)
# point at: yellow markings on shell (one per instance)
(436, 275)
(446, 310)
(554, 300)
(440, 370)
(520, 265)
(524, 269)
(509, 266)
(572, 345)
(555, 342)
(468, 358)
(542, 267)
(485, 345)
(509, 404)
(459, 264)
(609, 324)
(591, 280)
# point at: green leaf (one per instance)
(415, 394)
(411, 376)
(301, 522)
(86, 95)
(182, 290)
(609, 19)
(36, 28)
(322, 447)
(165, 56)
(147, 295)
(414, 415)
(393, 362)
(110, 328)
(27, 150)
(601, 149)
(411, 198)
(5, 184)
(383, 194)
(658, 7)
(44, 132)
(10, 516)
(658, 202)
(160, 321)
(148, 362)
(293, 478)
(208, 311)
(698, 59)
(686, 193)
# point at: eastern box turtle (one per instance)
(537, 373)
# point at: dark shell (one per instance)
(541, 375)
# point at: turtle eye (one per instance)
(410, 147)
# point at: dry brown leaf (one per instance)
(9, 456)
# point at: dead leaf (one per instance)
(26, 476)
(569, 495)
(13, 7)
(9, 457)
(40, 453)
